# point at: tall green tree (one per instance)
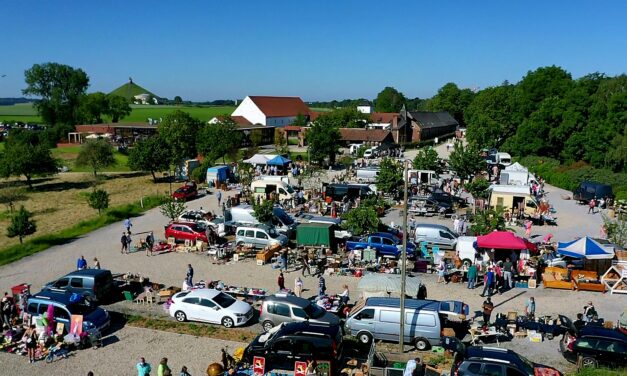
(361, 220)
(117, 107)
(264, 211)
(452, 99)
(60, 88)
(427, 159)
(486, 221)
(390, 177)
(28, 157)
(150, 155)
(490, 118)
(96, 154)
(180, 131)
(389, 100)
(346, 118)
(178, 100)
(92, 107)
(21, 224)
(322, 139)
(99, 200)
(219, 140)
(466, 161)
(172, 208)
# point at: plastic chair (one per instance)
(128, 295)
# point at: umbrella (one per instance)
(380, 284)
(585, 248)
(504, 240)
(279, 160)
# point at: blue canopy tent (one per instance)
(279, 160)
(585, 247)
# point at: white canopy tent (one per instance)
(260, 159)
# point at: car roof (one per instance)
(56, 296)
(429, 305)
(203, 293)
(88, 273)
(384, 235)
(431, 225)
(304, 328)
(489, 352)
(291, 299)
(190, 224)
(599, 331)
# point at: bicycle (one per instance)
(58, 352)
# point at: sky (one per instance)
(322, 50)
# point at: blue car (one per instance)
(93, 317)
(386, 245)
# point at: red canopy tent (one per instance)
(504, 240)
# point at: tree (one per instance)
(151, 155)
(95, 154)
(466, 161)
(264, 212)
(180, 131)
(10, 196)
(92, 107)
(21, 224)
(99, 200)
(279, 138)
(616, 230)
(60, 88)
(322, 139)
(361, 220)
(491, 118)
(390, 178)
(451, 99)
(486, 221)
(346, 118)
(117, 107)
(478, 188)
(389, 100)
(427, 159)
(21, 157)
(178, 100)
(172, 208)
(220, 139)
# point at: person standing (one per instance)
(530, 308)
(487, 307)
(589, 312)
(184, 372)
(284, 255)
(456, 225)
(281, 281)
(298, 286)
(96, 263)
(124, 242)
(472, 276)
(128, 225)
(129, 242)
(81, 263)
(322, 286)
(508, 267)
(528, 225)
(143, 368)
(345, 295)
(189, 276)
(219, 198)
(164, 369)
(488, 280)
(6, 309)
(591, 205)
(150, 242)
(441, 271)
(31, 342)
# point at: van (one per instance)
(94, 284)
(336, 192)
(264, 190)
(588, 190)
(513, 198)
(465, 249)
(270, 178)
(379, 319)
(423, 177)
(353, 148)
(259, 236)
(438, 235)
(371, 153)
(503, 159)
(367, 175)
(245, 215)
(93, 317)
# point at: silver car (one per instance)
(259, 236)
(438, 235)
(280, 308)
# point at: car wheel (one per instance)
(364, 337)
(587, 362)
(267, 326)
(421, 344)
(227, 322)
(180, 316)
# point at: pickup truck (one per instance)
(385, 244)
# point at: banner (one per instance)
(300, 369)
(259, 365)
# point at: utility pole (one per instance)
(401, 344)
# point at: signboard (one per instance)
(259, 366)
(76, 326)
(324, 368)
(300, 368)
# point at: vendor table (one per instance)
(478, 336)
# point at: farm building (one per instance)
(373, 137)
(271, 111)
(416, 126)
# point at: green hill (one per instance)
(131, 89)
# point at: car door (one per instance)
(386, 328)
(389, 247)
(282, 354)
(363, 321)
(446, 239)
(375, 242)
(208, 310)
(250, 237)
(261, 238)
(187, 233)
(62, 284)
(191, 308)
(492, 370)
(281, 313)
(77, 285)
(63, 316)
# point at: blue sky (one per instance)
(204, 50)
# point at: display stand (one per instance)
(616, 279)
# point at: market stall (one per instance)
(594, 254)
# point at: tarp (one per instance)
(221, 173)
(315, 234)
(279, 160)
(585, 248)
(260, 159)
(380, 284)
(504, 240)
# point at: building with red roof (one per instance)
(271, 111)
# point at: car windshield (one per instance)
(223, 300)
(272, 232)
(80, 309)
(528, 365)
(289, 189)
(314, 311)
(283, 217)
(180, 190)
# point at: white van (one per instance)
(353, 148)
(465, 250)
(367, 174)
(265, 188)
(426, 177)
(512, 198)
(371, 153)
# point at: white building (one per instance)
(365, 109)
(271, 111)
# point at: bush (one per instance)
(199, 174)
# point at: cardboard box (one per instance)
(532, 284)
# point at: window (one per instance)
(207, 303)
(499, 201)
(282, 191)
(60, 313)
(224, 300)
(284, 346)
(474, 368)
(304, 348)
(250, 233)
(298, 312)
(375, 240)
(445, 235)
(531, 204)
(262, 235)
(492, 370)
(240, 233)
(282, 310)
(77, 282)
(186, 229)
(191, 300)
(366, 314)
(261, 190)
(390, 316)
(43, 308)
(514, 372)
(62, 283)
(587, 343)
(32, 308)
(387, 241)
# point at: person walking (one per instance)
(528, 225)
(128, 225)
(96, 263)
(322, 286)
(124, 242)
(143, 368)
(281, 281)
(219, 197)
(189, 276)
(487, 307)
(81, 263)
(591, 205)
(589, 312)
(150, 242)
(184, 372)
(31, 342)
(164, 369)
(508, 268)
(441, 271)
(488, 280)
(472, 276)
(129, 242)
(284, 255)
(298, 286)
(530, 308)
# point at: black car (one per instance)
(594, 346)
(94, 284)
(478, 360)
(292, 342)
(589, 190)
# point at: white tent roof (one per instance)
(260, 159)
(380, 284)
(516, 167)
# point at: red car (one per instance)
(185, 231)
(186, 192)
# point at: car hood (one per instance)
(328, 317)
(240, 307)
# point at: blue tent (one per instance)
(279, 160)
(585, 248)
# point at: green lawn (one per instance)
(68, 155)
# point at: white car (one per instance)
(210, 305)
(200, 217)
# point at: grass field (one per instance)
(68, 156)
(26, 113)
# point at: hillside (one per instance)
(131, 89)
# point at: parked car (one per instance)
(94, 284)
(588, 190)
(93, 317)
(478, 360)
(186, 231)
(288, 343)
(594, 346)
(200, 217)
(259, 236)
(432, 234)
(385, 244)
(210, 305)
(186, 192)
(280, 308)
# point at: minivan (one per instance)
(245, 215)
(589, 190)
(93, 317)
(379, 319)
(259, 236)
(280, 308)
(94, 284)
(438, 235)
(265, 189)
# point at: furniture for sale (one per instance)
(557, 278)
(587, 280)
(615, 278)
